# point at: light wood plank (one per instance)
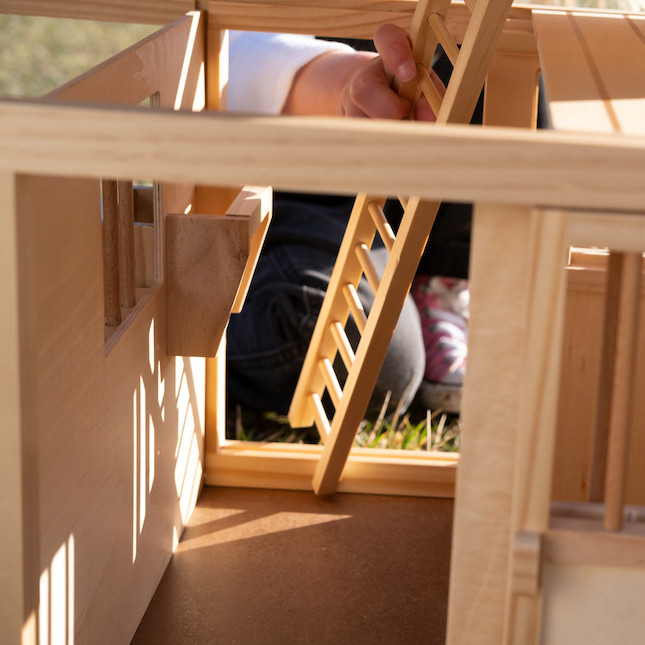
(541, 355)
(167, 63)
(495, 164)
(256, 204)
(18, 588)
(116, 439)
(594, 71)
(205, 260)
(490, 409)
(354, 19)
(629, 270)
(580, 612)
(333, 312)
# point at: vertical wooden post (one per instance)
(622, 387)
(19, 499)
(111, 253)
(539, 393)
(126, 244)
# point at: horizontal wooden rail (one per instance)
(368, 470)
(494, 164)
(153, 12)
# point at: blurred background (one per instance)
(39, 54)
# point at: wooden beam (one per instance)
(334, 155)
(368, 470)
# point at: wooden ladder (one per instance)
(329, 339)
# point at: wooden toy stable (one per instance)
(104, 431)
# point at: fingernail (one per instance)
(406, 71)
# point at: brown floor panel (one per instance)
(283, 567)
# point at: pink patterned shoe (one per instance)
(443, 308)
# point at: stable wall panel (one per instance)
(116, 435)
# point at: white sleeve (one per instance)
(263, 66)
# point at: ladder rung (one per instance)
(320, 418)
(333, 386)
(429, 89)
(445, 38)
(355, 306)
(382, 225)
(342, 342)
(363, 255)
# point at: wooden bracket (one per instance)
(208, 265)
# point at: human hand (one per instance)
(360, 84)
(370, 91)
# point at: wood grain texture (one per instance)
(111, 432)
(331, 155)
(371, 471)
(126, 244)
(111, 282)
(594, 70)
(256, 204)
(167, 63)
(117, 436)
(156, 12)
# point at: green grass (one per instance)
(417, 429)
(39, 54)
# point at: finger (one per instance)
(393, 44)
(371, 93)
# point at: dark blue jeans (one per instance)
(267, 342)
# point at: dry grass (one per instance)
(418, 429)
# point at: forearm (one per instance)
(318, 87)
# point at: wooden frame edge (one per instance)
(371, 471)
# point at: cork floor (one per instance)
(282, 567)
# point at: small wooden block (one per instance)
(205, 260)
